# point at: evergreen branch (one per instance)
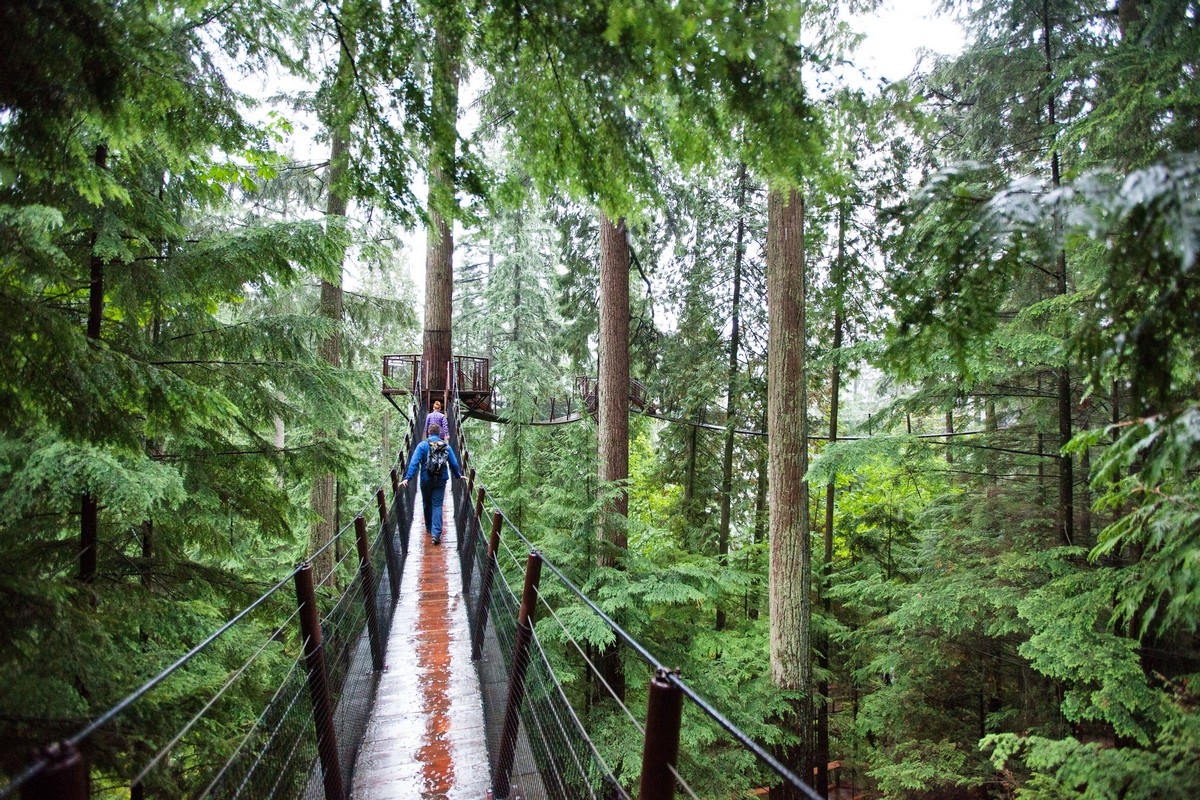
(224, 453)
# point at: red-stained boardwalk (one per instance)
(426, 735)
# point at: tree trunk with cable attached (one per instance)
(791, 549)
(613, 411)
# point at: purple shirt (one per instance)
(435, 417)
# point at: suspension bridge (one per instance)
(408, 670)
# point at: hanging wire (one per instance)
(250, 733)
(594, 669)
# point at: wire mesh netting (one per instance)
(234, 717)
(552, 757)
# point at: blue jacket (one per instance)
(420, 455)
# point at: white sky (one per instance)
(896, 34)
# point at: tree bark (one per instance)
(1129, 12)
(1066, 477)
(89, 508)
(439, 250)
(323, 499)
(835, 387)
(613, 413)
(731, 391)
(791, 549)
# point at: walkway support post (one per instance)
(485, 587)
(463, 510)
(393, 574)
(473, 523)
(660, 748)
(516, 679)
(318, 683)
(367, 576)
(65, 776)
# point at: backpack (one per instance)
(435, 463)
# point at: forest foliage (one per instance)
(1001, 262)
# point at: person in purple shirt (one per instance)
(436, 417)
(433, 489)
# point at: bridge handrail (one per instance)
(671, 676)
(47, 756)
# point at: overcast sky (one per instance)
(897, 32)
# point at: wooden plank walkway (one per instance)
(426, 735)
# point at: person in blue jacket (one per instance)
(433, 490)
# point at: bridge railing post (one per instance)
(400, 518)
(464, 507)
(65, 776)
(318, 683)
(474, 527)
(393, 573)
(367, 574)
(516, 679)
(485, 586)
(461, 491)
(660, 747)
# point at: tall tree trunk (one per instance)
(949, 432)
(791, 549)
(89, 510)
(835, 387)
(731, 390)
(439, 250)
(1129, 12)
(323, 499)
(1066, 477)
(613, 412)
(760, 516)
(990, 427)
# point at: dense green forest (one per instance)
(930, 510)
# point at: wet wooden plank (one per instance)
(426, 735)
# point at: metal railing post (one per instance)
(516, 680)
(464, 508)
(485, 587)
(474, 528)
(660, 748)
(65, 776)
(318, 683)
(393, 562)
(367, 574)
(395, 473)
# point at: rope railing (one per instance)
(305, 666)
(551, 755)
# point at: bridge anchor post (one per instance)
(318, 684)
(660, 748)
(367, 575)
(393, 573)
(485, 585)
(65, 776)
(516, 680)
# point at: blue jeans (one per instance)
(432, 494)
